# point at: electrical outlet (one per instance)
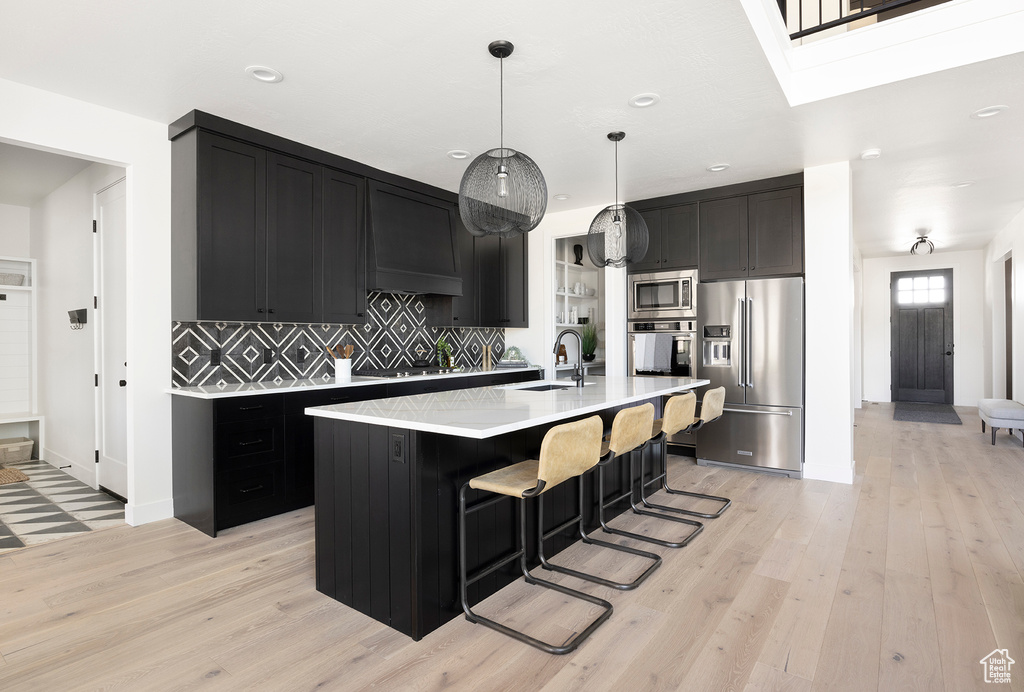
(214, 356)
(268, 356)
(300, 355)
(398, 448)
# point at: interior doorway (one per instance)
(111, 338)
(921, 317)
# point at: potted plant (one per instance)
(588, 334)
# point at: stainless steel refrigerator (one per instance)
(752, 343)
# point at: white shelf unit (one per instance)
(18, 343)
(590, 307)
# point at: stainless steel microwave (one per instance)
(663, 295)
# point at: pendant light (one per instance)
(503, 192)
(923, 246)
(618, 234)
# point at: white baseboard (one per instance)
(833, 474)
(137, 515)
(83, 472)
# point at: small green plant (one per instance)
(588, 332)
(444, 353)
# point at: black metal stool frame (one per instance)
(604, 504)
(578, 520)
(663, 477)
(465, 579)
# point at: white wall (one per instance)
(969, 337)
(40, 119)
(829, 337)
(62, 244)
(1008, 242)
(14, 224)
(537, 341)
(858, 327)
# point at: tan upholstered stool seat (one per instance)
(656, 428)
(605, 447)
(512, 480)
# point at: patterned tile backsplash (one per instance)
(395, 329)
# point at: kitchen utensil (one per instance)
(330, 352)
(349, 350)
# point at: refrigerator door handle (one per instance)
(741, 322)
(748, 333)
(760, 413)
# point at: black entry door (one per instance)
(922, 336)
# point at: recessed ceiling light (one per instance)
(869, 154)
(644, 100)
(264, 74)
(718, 167)
(964, 183)
(562, 196)
(458, 154)
(988, 112)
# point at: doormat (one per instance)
(11, 476)
(926, 413)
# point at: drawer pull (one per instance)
(339, 398)
(252, 489)
(250, 408)
(251, 442)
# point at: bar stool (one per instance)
(566, 451)
(679, 417)
(631, 433)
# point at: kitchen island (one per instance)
(388, 472)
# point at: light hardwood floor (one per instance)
(904, 580)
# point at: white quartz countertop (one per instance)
(214, 391)
(483, 412)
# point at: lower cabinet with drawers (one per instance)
(245, 458)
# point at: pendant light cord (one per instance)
(616, 173)
(501, 107)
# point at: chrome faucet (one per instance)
(577, 373)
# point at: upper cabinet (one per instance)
(672, 239)
(502, 281)
(466, 308)
(344, 246)
(755, 235)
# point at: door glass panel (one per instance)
(936, 295)
(920, 282)
(905, 284)
(936, 281)
(905, 297)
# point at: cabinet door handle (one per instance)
(251, 442)
(270, 310)
(252, 489)
(250, 408)
(455, 318)
(359, 314)
(259, 309)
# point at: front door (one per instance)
(922, 336)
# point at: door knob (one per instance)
(949, 353)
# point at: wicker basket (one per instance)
(14, 449)
(11, 279)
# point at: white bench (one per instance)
(1001, 413)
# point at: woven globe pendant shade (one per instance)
(502, 193)
(618, 234)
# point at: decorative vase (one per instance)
(578, 251)
(589, 356)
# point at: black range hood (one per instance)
(411, 245)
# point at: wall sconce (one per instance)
(78, 318)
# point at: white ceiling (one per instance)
(28, 175)
(397, 85)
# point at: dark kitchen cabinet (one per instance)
(344, 248)
(503, 281)
(775, 246)
(754, 235)
(231, 231)
(264, 237)
(239, 459)
(466, 308)
(672, 239)
(294, 240)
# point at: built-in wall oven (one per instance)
(646, 355)
(659, 296)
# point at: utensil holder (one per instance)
(342, 369)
